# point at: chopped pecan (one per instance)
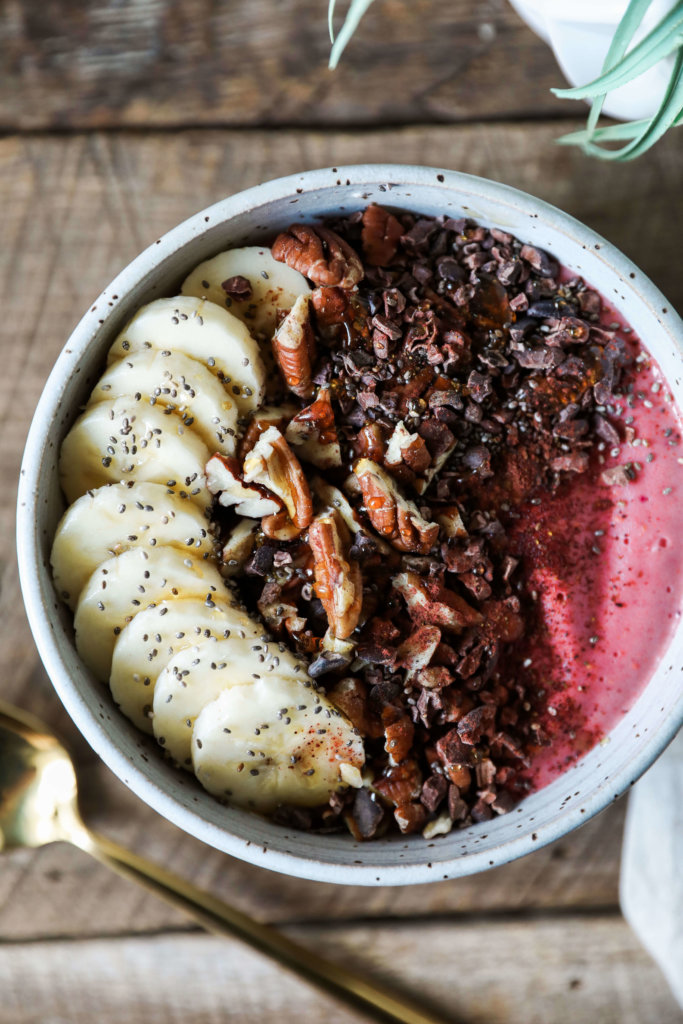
(399, 733)
(408, 448)
(400, 783)
(370, 442)
(314, 434)
(238, 547)
(380, 235)
(269, 416)
(280, 527)
(450, 520)
(338, 581)
(435, 678)
(410, 817)
(351, 697)
(418, 649)
(431, 604)
(278, 613)
(393, 516)
(273, 464)
(224, 478)
(294, 348)
(320, 254)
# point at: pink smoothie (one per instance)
(606, 565)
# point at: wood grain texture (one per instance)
(73, 211)
(102, 63)
(583, 970)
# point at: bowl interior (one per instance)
(254, 216)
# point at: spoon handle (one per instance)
(369, 997)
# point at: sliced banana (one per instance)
(117, 517)
(274, 285)
(123, 585)
(272, 741)
(123, 439)
(150, 640)
(204, 331)
(180, 383)
(197, 675)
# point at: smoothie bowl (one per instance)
(348, 524)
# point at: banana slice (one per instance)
(197, 675)
(274, 285)
(272, 741)
(147, 644)
(123, 439)
(117, 517)
(126, 583)
(203, 331)
(180, 383)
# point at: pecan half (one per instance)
(313, 433)
(380, 235)
(431, 604)
(294, 348)
(393, 516)
(320, 254)
(224, 478)
(273, 464)
(338, 581)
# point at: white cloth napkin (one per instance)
(651, 886)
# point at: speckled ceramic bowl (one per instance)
(252, 216)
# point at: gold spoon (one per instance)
(39, 805)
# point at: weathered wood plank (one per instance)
(73, 212)
(251, 62)
(581, 970)
(59, 891)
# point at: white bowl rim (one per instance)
(368, 872)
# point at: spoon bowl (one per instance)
(39, 805)
(37, 783)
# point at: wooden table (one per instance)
(119, 120)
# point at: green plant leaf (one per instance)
(644, 133)
(330, 19)
(610, 133)
(626, 29)
(666, 37)
(357, 9)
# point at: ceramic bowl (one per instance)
(252, 216)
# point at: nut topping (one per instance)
(224, 478)
(320, 254)
(268, 416)
(380, 235)
(294, 348)
(273, 464)
(338, 581)
(393, 516)
(431, 604)
(314, 434)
